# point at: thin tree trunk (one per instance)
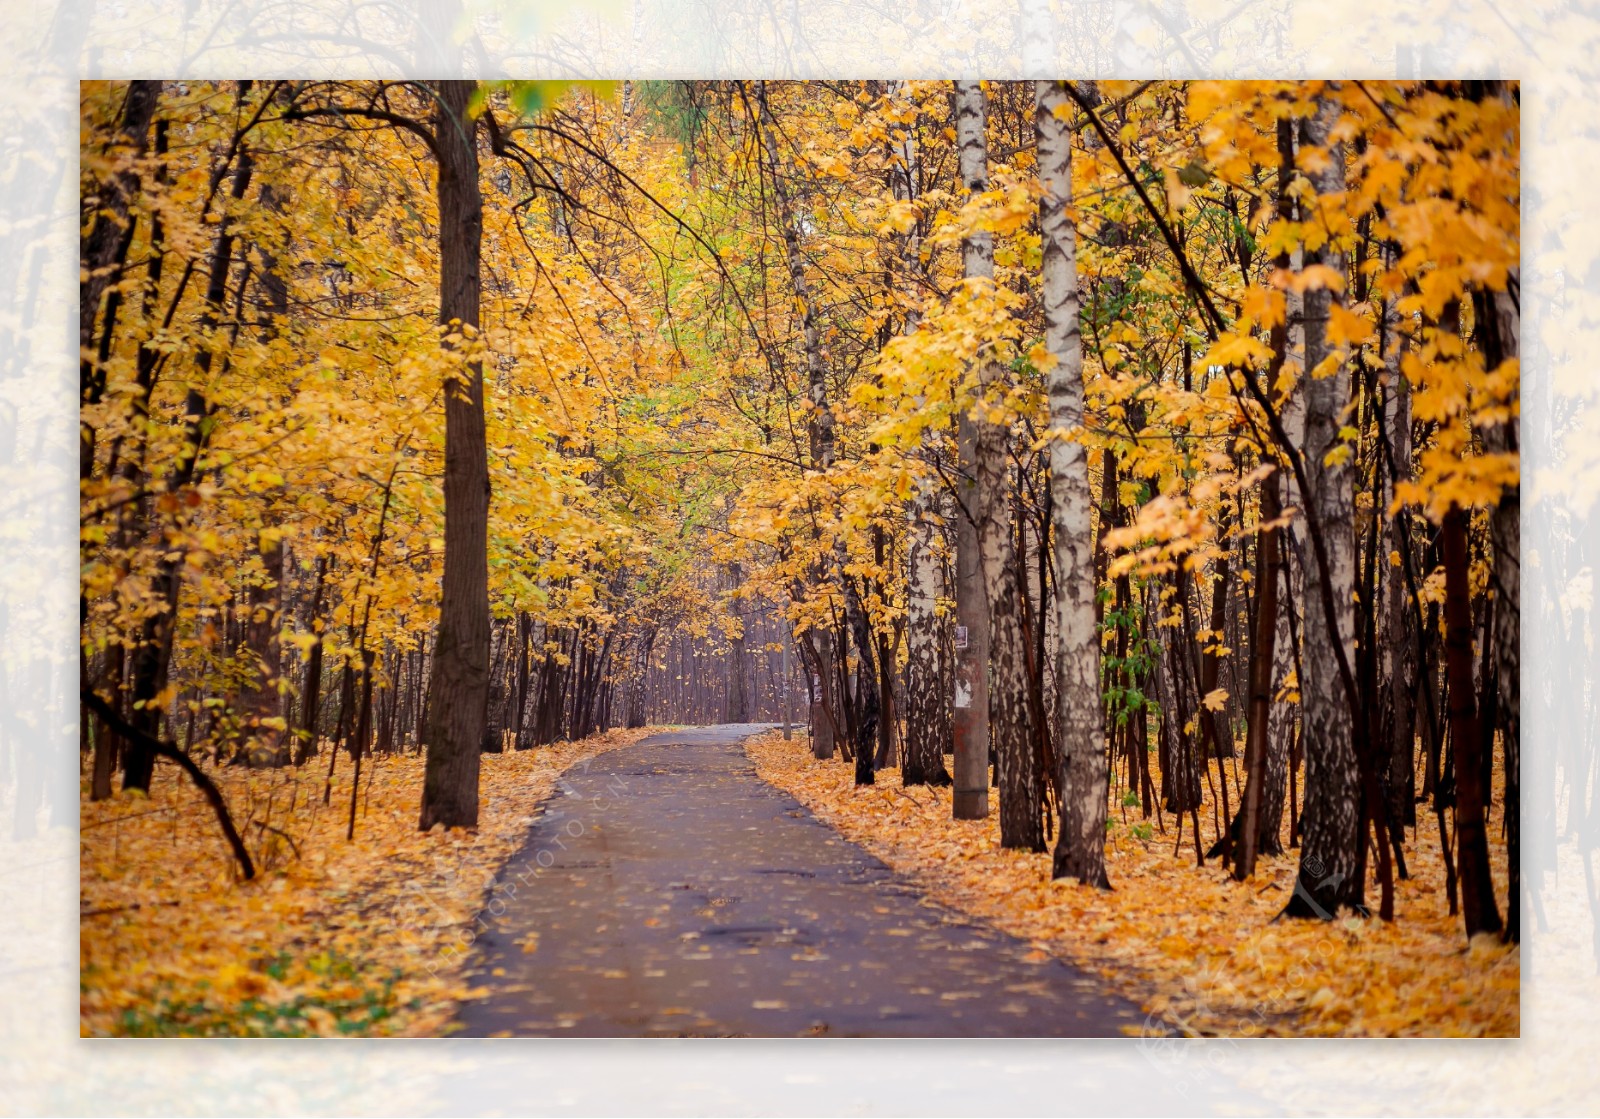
(104, 250)
(519, 718)
(1472, 841)
(1402, 776)
(153, 654)
(738, 706)
(820, 422)
(311, 691)
(1501, 326)
(1261, 658)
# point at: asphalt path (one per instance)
(667, 890)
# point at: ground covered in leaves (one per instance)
(333, 936)
(1200, 951)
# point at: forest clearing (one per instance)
(1116, 484)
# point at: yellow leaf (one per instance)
(1315, 276)
(1346, 328)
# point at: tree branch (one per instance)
(168, 750)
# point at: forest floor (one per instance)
(1193, 946)
(332, 936)
(372, 937)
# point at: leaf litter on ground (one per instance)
(1198, 950)
(362, 937)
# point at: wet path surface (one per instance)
(668, 891)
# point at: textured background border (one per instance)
(46, 48)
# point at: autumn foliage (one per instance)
(1158, 437)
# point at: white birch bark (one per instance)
(1330, 834)
(928, 729)
(1080, 845)
(1021, 822)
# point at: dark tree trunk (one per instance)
(105, 251)
(738, 706)
(867, 710)
(1261, 658)
(1466, 744)
(153, 653)
(519, 718)
(458, 689)
(311, 691)
(106, 741)
(264, 699)
(495, 696)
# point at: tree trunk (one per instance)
(928, 729)
(1330, 856)
(1021, 817)
(867, 709)
(104, 249)
(263, 700)
(153, 653)
(1500, 324)
(1261, 658)
(1402, 778)
(519, 720)
(970, 723)
(458, 689)
(738, 706)
(824, 730)
(1472, 840)
(1288, 342)
(106, 742)
(1080, 844)
(884, 756)
(495, 695)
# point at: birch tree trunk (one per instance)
(1329, 877)
(928, 726)
(1080, 844)
(1288, 342)
(1021, 816)
(929, 734)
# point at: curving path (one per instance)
(670, 891)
